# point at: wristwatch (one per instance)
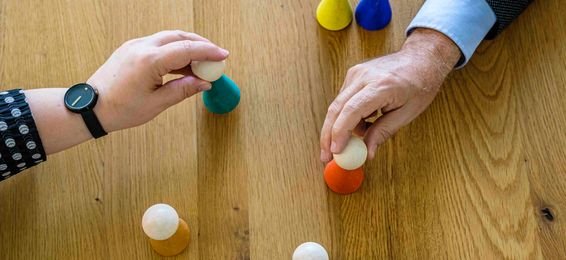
(81, 99)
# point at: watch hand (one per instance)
(76, 100)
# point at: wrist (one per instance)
(435, 47)
(104, 111)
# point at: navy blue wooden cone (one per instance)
(373, 14)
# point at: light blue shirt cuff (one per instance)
(466, 22)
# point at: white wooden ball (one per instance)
(310, 251)
(208, 70)
(160, 221)
(353, 156)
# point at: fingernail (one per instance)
(224, 52)
(333, 147)
(205, 86)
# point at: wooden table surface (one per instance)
(467, 179)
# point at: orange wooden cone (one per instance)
(175, 244)
(343, 181)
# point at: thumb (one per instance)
(179, 89)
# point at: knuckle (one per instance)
(334, 108)
(359, 69)
(352, 70)
(380, 91)
(179, 33)
(129, 43)
(380, 87)
(147, 56)
(384, 133)
(350, 108)
(165, 32)
(192, 35)
(186, 45)
(392, 80)
(143, 57)
(160, 33)
(356, 67)
(336, 131)
(323, 142)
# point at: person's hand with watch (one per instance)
(126, 91)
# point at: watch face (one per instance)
(79, 97)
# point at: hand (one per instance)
(130, 82)
(400, 86)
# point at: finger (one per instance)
(179, 89)
(350, 87)
(169, 36)
(176, 55)
(326, 137)
(333, 111)
(384, 128)
(361, 105)
(348, 92)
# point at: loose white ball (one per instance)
(208, 70)
(310, 251)
(353, 156)
(160, 221)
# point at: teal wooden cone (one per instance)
(223, 97)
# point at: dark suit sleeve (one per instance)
(506, 11)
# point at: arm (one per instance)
(58, 128)
(130, 86)
(131, 90)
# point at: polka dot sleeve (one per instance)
(20, 145)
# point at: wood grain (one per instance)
(467, 180)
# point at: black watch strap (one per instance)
(92, 123)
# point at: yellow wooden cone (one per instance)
(175, 244)
(334, 15)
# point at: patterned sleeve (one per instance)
(506, 12)
(20, 145)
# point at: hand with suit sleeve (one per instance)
(400, 86)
